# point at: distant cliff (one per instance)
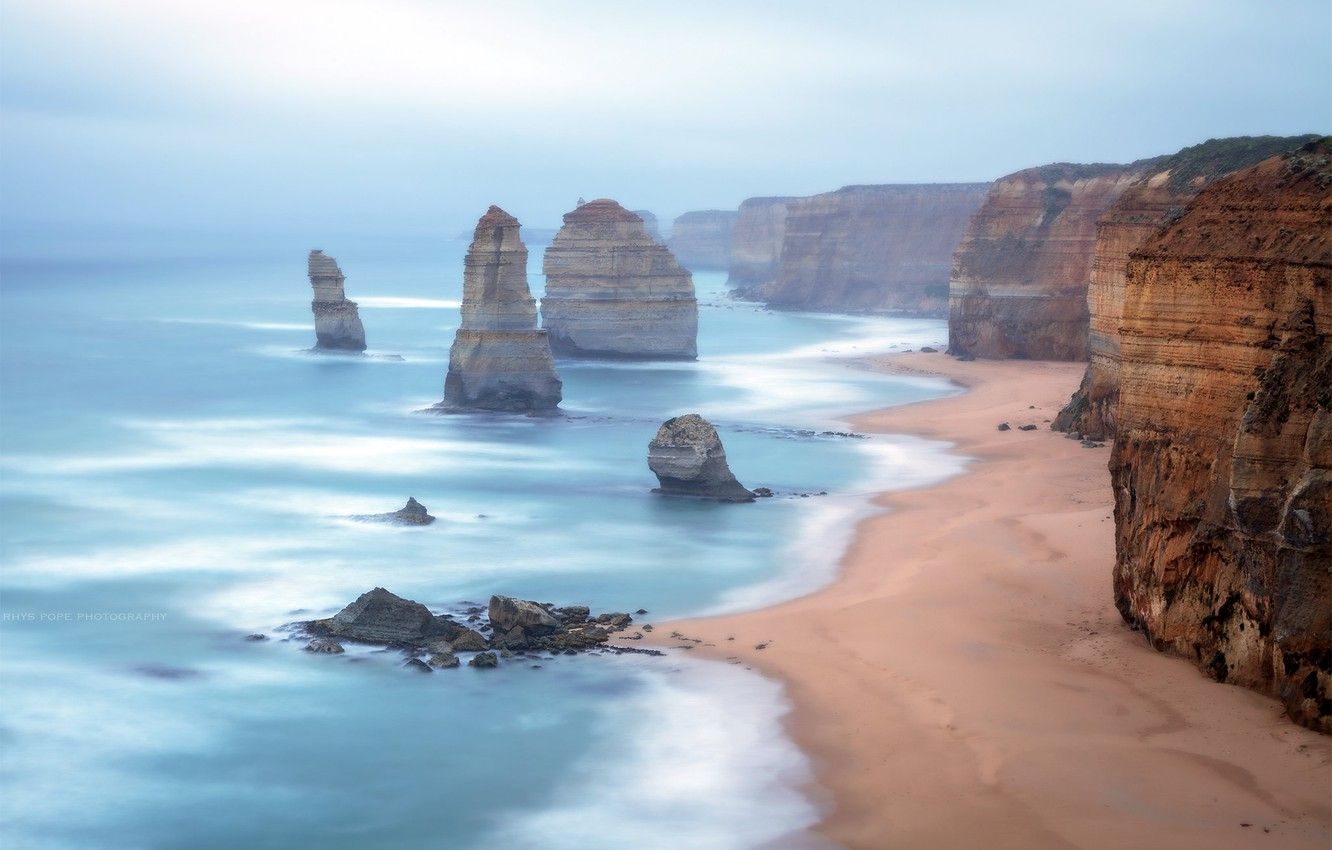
(1020, 276)
(701, 240)
(337, 322)
(873, 248)
(756, 246)
(649, 224)
(1222, 462)
(1159, 196)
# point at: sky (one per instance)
(140, 123)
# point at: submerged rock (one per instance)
(324, 646)
(614, 291)
(688, 459)
(337, 323)
(412, 513)
(499, 360)
(484, 660)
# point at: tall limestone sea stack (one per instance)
(1159, 196)
(1222, 461)
(613, 291)
(499, 359)
(1020, 275)
(337, 323)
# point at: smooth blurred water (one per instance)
(170, 450)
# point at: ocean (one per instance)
(178, 471)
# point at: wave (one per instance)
(659, 779)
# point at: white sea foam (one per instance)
(826, 526)
(696, 758)
(398, 302)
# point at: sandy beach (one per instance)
(967, 681)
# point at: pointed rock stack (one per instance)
(337, 324)
(499, 359)
(614, 291)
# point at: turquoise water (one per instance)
(177, 472)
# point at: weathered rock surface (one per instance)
(649, 223)
(614, 291)
(499, 359)
(1157, 198)
(378, 616)
(1020, 275)
(886, 248)
(687, 457)
(756, 246)
(701, 239)
(337, 323)
(506, 613)
(1222, 461)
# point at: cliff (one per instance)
(873, 248)
(1020, 275)
(649, 224)
(337, 322)
(613, 291)
(499, 359)
(701, 240)
(756, 246)
(1222, 462)
(1145, 207)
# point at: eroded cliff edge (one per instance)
(499, 360)
(1222, 463)
(885, 248)
(613, 291)
(756, 246)
(1156, 199)
(1020, 275)
(701, 239)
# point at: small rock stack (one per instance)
(688, 459)
(337, 324)
(499, 359)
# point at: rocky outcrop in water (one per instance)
(1020, 276)
(873, 248)
(1158, 197)
(613, 291)
(499, 359)
(701, 240)
(412, 513)
(516, 626)
(756, 246)
(337, 323)
(687, 457)
(1222, 462)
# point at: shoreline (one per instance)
(966, 676)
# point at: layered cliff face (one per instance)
(1222, 463)
(499, 359)
(1157, 197)
(756, 246)
(1020, 275)
(337, 323)
(877, 248)
(649, 223)
(701, 240)
(613, 291)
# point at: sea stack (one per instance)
(613, 291)
(499, 360)
(688, 459)
(1222, 461)
(337, 324)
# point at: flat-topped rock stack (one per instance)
(500, 360)
(613, 291)
(337, 323)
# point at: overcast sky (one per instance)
(153, 118)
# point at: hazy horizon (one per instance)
(155, 124)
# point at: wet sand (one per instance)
(967, 681)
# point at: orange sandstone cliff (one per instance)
(1020, 275)
(1222, 462)
(1156, 199)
